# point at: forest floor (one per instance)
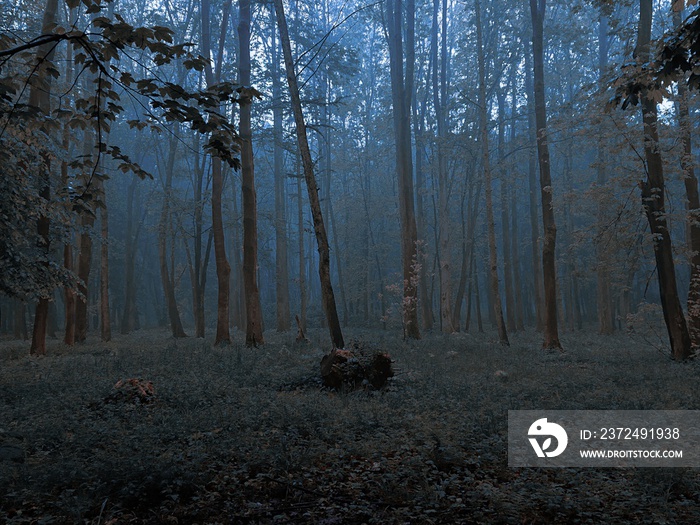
(238, 435)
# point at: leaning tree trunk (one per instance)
(254, 325)
(551, 331)
(483, 124)
(653, 200)
(328, 299)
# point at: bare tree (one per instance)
(401, 101)
(484, 129)
(551, 331)
(327, 297)
(254, 325)
(223, 269)
(281, 252)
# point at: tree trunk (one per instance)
(468, 258)
(40, 98)
(87, 221)
(532, 185)
(163, 227)
(254, 325)
(551, 331)
(302, 253)
(506, 243)
(68, 293)
(105, 322)
(281, 263)
(483, 124)
(425, 298)
(515, 239)
(604, 301)
(327, 297)
(401, 99)
(443, 203)
(129, 313)
(653, 200)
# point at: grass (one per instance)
(240, 435)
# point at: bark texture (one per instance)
(254, 324)
(549, 272)
(327, 296)
(653, 200)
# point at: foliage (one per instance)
(676, 60)
(88, 106)
(26, 270)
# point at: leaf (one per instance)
(547, 443)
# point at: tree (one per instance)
(254, 325)
(327, 297)
(281, 260)
(654, 198)
(483, 125)
(401, 101)
(39, 97)
(92, 113)
(223, 269)
(551, 332)
(604, 302)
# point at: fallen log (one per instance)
(355, 369)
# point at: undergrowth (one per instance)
(239, 435)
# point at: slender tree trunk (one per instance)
(281, 258)
(327, 297)
(129, 313)
(515, 239)
(653, 200)
(479, 319)
(532, 184)
(401, 101)
(551, 331)
(254, 325)
(604, 301)
(105, 321)
(444, 268)
(425, 298)
(163, 227)
(87, 221)
(68, 293)
(39, 97)
(468, 255)
(223, 269)
(483, 124)
(302, 255)
(238, 309)
(504, 184)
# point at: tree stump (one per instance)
(356, 369)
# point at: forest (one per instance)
(292, 261)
